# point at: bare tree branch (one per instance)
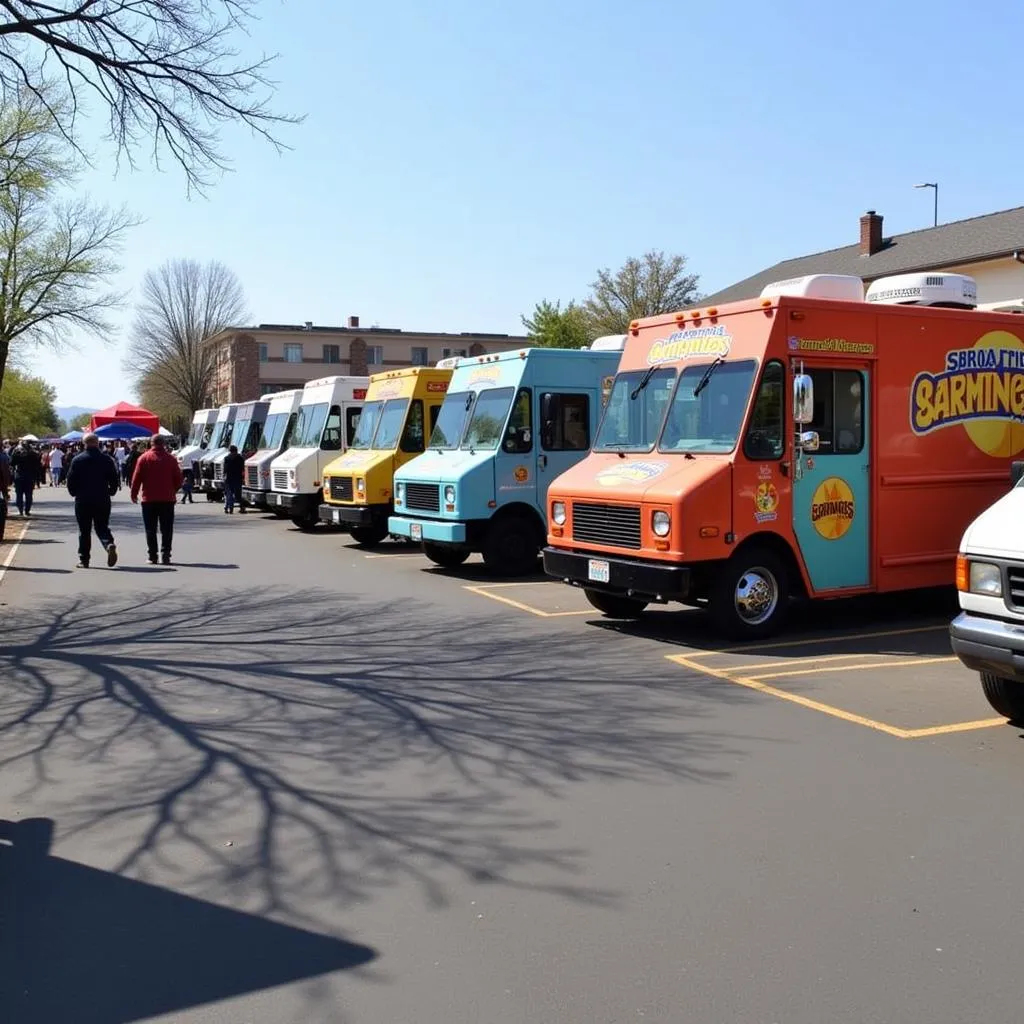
(164, 70)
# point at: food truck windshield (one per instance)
(700, 409)
(389, 429)
(273, 430)
(310, 425)
(368, 420)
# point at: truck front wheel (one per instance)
(614, 606)
(511, 547)
(1005, 696)
(369, 536)
(308, 521)
(750, 597)
(445, 555)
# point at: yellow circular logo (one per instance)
(1000, 437)
(832, 508)
(629, 473)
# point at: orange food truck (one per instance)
(812, 442)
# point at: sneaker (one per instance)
(111, 555)
(166, 559)
(83, 565)
(152, 559)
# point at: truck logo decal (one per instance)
(437, 385)
(486, 375)
(981, 388)
(521, 474)
(766, 502)
(832, 508)
(392, 389)
(713, 341)
(630, 473)
(830, 345)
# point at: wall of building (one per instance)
(997, 280)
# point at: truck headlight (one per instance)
(449, 494)
(399, 493)
(985, 578)
(661, 523)
(291, 477)
(360, 485)
(558, 513)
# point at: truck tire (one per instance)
(307, 522)
(210, 496)
(1005, 696)
(614, 605)
(369, 536)
(445, 555)
(511, 547)
(750, 597)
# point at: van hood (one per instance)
(436, 467)
(356, 461)
(291, 458)
(997, 531)
(645, 477)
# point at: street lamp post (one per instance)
(932, 185)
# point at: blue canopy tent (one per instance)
(72, 435)
(121, 431)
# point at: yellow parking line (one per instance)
(855, 668)
(797, 661)
(484, 591)
(9, 560)
(820, 640)
(398, 554)
(518, 583)
(942, 730)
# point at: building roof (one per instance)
(974, 240)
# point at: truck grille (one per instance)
(615, 525)
(252, 477)
(218, 471)
(280, 479)
(424, 497)
(1015, 589)
(341, 488)
(206, 470)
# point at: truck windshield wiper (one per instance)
(706, 379)
(644, 381)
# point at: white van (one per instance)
(198, 438)
(222, 431)
(327, 418)
(276, 437)
(988, 634)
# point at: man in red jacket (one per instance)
(158, 476)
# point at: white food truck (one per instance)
(198, 438)
(222, 432)
(275, 439)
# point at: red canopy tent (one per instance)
(126, 412)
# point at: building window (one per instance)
(293, 353)
(449, 352)
(332, 353)
(374, 355)
(419, 357)
(264, 354)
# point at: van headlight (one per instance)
(360, 485)
(661, 523)
(558, 513)
(449, 494)
(986, 578)
(399, 492)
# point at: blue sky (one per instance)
(462, 160)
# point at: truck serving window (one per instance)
(766, 433)
(310, 426)
(367, 425)
(451, 421)
(635, 410)
(838, 410)
(708, 407)
(489, 415)
(392, 416)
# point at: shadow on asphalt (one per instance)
(342, 744)
(83, 945)
(36, 569)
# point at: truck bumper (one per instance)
(436, 531)
(293, 504)
(258, 499)
(626, 576)
(988, 645)
(354, 515)
(208, 486)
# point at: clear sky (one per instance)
(462, 160)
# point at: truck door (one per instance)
(831, 498)
(565, 426)
(513, 462)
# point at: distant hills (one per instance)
(69, 412)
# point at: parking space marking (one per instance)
(811, 641)
(398, 554)
(485, 591)
(9, 560)
(730, 675)
(935, 659)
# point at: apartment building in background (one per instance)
(254, 361)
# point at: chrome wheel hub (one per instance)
(757, 595)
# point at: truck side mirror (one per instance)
(1016, 472)
(808, 440)
(803, 398)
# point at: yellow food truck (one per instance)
(398, 417)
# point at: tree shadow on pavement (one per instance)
(297, 748)
(83, 945)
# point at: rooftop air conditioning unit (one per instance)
(609, 343)
(449, 363)
(953, 291)
(844, 287)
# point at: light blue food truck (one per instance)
(510, 423)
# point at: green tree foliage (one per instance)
(26, 406)
(550, 326)
(80, 422)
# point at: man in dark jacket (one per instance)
(234, 471)
(26, 465)
(92, 481)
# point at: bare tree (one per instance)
(183, 304)
(165, 71)
(56, 253)
(653, 284)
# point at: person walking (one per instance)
(121, 457)
(129, 463)
(92, 481)
(157, 476)
(25, 464)
(56, 466)
(234, 471)
(186, 487)
(6, 479)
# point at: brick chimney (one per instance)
(353, 321)
(870, 233)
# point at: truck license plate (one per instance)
(336, 516)
(277, 499)
(598, 571)
(416, 531)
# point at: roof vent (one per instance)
(449, 363)
(844, 287)
(609, 343)
(952, 291)
(1006, 306)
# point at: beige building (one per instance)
(253, 361)
(989, 248)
